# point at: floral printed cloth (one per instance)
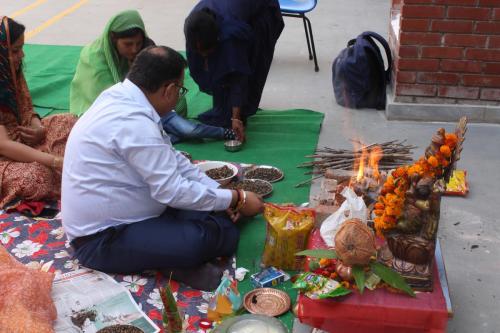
(41, 243)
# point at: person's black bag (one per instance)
(358, 73)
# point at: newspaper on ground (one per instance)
(88, 300)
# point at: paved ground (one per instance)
(473, 273)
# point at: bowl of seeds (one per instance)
(222, 172)
(261, 187)
(264, 172)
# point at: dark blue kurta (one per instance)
(238, 67)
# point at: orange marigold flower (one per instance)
(416, 168)
(433, 161)
(379, 205)
(389, 198)
(378, 212)
(450, 139)
(390, 220)
(345, 284)
(445, 163)
(323, 262)
(388, 188)
(399, 172)
(393, 211)
(445, 150)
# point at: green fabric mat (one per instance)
(278, 138)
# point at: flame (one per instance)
(375, 157)
(366, 165)
(361, 163)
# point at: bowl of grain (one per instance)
(222, 172)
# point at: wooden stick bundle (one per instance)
(394, 153)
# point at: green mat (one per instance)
(278, 138)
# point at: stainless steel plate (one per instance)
(252, 173)
(251, 323)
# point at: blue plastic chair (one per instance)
(298, 9)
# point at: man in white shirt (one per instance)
(130, 201)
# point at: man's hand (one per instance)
(32, 136)
(233, 215)
(239, 129)
(253, 205)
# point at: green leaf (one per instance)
(320, 253)
(337, 292)
(359, 276)
(391, 277)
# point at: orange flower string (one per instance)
(390, 203)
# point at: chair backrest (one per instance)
(297, 6)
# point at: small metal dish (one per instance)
(267, 301)
(233, 145)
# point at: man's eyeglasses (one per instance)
(182, 90)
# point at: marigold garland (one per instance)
(390, 203)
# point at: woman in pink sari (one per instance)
(31, 149)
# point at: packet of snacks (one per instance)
(317, 286)
(288, 229)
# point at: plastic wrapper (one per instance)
(288, 230)
(317, 286)
(26, 304)
(226, 300)
(353, 207)
(457, 185)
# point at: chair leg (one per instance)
(316, 68)
(307, 37)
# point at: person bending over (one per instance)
(107, 60)
(230, 47)
(130, 201)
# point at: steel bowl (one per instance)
(233, 145)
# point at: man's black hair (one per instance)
(132, 32)
(154, 66)
(201, 27)
(16, 30)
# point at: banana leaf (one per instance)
(320, 253)
(359, 276)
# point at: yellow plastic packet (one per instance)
(457, 185)
(288, 230)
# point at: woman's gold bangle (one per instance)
(54, 162)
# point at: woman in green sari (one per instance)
(106, 61)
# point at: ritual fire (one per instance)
(366, 169)
(366, 160)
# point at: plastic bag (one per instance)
(226, 300)
(288, 230)
(353, 207)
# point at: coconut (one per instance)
(354, 243)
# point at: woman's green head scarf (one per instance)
(100, 66)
